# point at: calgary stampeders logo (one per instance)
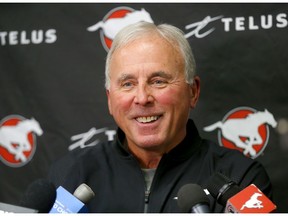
(18, 140)
(117, 19)
(244, 129)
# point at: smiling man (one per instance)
(151, 88)
(149, 97)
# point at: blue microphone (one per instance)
(67, 203)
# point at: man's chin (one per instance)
(150, 144)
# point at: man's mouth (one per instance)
(147, 119)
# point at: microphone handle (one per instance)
(200, 208)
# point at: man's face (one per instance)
(148, 96)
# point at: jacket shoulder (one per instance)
(238, 167)
(72, 168)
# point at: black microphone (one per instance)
(193, 199)
(40, 195)
(222, 188)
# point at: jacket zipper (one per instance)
(146, 204)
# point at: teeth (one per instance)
(147, 119)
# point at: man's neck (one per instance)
(147, 158)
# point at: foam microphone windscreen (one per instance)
(191, 195)
(40, 195)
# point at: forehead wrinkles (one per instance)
(160, 51)
(126, 76)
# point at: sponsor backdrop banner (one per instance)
(52, 92)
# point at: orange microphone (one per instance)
(229, 194)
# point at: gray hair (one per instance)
(170, 33)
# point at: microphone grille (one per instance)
(84, 193)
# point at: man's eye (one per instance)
(127, 84)
(159, 82)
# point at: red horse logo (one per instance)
(17, 140)
(244, 132)
(117, 19)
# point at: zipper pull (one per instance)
(147, 193)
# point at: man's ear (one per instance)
(109, 101)
(195, 92)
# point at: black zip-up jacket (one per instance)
(118, 182)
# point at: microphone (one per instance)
(67, 203)
(192, 199)
(39, 196)
(8, 208)
(229, 194)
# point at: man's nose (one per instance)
(143, 95)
